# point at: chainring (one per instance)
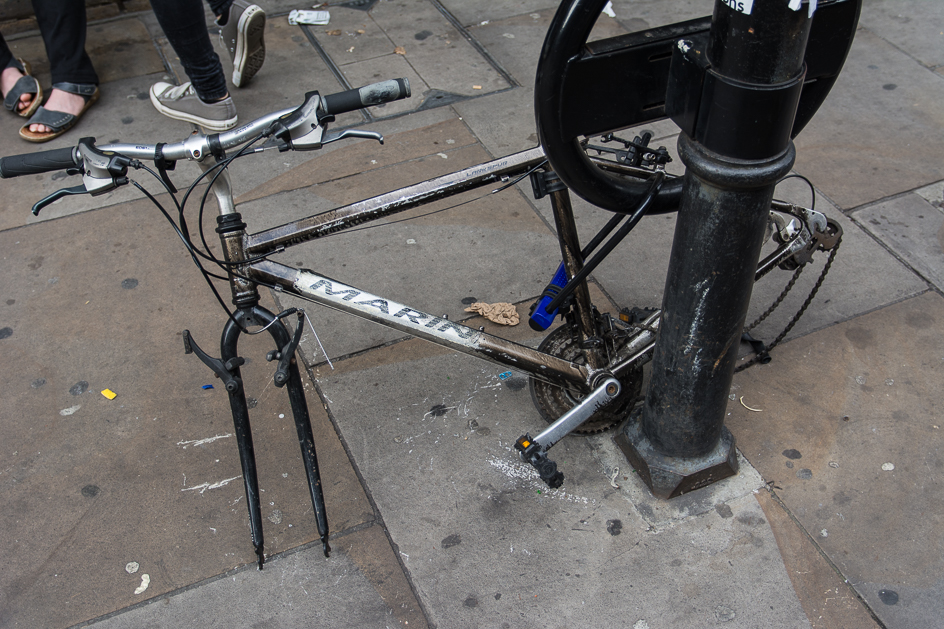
(553, 401)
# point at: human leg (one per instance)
(62, 24)
(219, 7)
(184, 25)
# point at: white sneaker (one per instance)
(181, 102)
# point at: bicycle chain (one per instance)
(819, 282)
(777, 302)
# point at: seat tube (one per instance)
(573, 262)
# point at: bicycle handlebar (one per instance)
(37, 163)
(375, 94)
(195, 147)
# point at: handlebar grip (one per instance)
(36, 163)
(374, 94)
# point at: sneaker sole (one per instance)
(250, 46)
(206, 123)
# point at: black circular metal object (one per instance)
(565, 41)
(553, 401)
(562, 69)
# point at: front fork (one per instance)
(232, 233)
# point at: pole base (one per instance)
(667, 476)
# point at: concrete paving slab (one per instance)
(362, 157)
(481, 537)
(352, 36)
(934, 194)
(640, 15)
(913, 229)
(877, 133)
(299, 589)
(828, 599)
(634, 15)
(348, 157)
(98, 301)
(503, 123)
(444, 59)
(849, 436)
(517, 41)
(912, 25)
(475, 13)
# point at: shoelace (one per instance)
(176, 93)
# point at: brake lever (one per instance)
(300, 130)
(58, 194)
(101, 172)
(352, 133)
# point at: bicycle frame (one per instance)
(332, 293)
(239, 246)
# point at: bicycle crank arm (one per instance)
(534, 451)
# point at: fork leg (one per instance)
(257, 315)
(247, 457)
(296, 396)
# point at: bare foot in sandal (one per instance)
(60, 101)
(7, 80)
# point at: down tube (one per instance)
(334, 294)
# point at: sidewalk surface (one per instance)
(131, 513)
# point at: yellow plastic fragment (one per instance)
(111, 395)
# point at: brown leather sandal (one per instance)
(58, 121)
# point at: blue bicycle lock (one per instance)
(541, 319)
